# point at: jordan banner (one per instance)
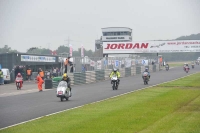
(151, 47)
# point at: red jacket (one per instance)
(18, 79)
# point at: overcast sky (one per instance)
(49, 23)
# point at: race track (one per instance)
(21, 107)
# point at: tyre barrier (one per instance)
(99, 75)
(48, 84)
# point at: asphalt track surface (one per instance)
(18, 108)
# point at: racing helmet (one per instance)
(65, 75)
(115, 70)
(19, 75)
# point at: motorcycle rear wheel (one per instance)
(18, 86)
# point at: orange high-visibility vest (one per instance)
(28, 72)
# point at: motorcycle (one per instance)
(192, 66)
(114, 81)
(18, 82)
(167, 68)
(187, 69)
(145, 78)
(63, 92)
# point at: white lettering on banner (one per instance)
(31, 58)
(151, 47)
(115, 38)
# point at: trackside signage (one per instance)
(151, 47)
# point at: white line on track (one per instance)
(95, 102)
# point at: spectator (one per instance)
(41, 73)
(40, 81)
(67, 63)
(28, 74)
(1, 77)
(83, 68)
(54, 72)
(48, 74)
(153, 62)
(57, 71)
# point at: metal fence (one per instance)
(100, 63)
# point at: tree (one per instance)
(35, 50)
(7, 49)
(62, 49)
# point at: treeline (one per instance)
(191, 37)
(44, 51)
(7, 49)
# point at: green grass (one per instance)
(177, 64)
(167, 108)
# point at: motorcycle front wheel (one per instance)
(113, 86)
(117, 86)
(17, 86)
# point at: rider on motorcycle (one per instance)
(192, 64)
(184, 66)
(167, 66)
(20, 79)
(146, 70)
(68, 80)
(115, 72)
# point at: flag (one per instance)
(70, 50)
(53, 52)
(82, 51)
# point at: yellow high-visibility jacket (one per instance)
(113, 73)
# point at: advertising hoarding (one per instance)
(151, 47)
(31, 58)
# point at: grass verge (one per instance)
(177, 64)
(172, 107)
